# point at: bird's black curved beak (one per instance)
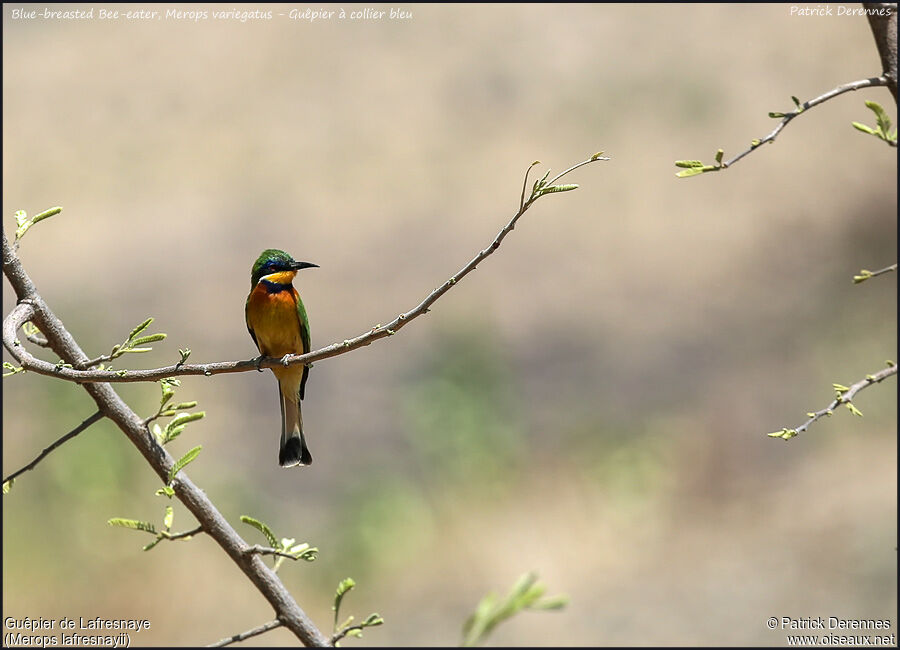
(296, 266)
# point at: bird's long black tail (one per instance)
(293, 449)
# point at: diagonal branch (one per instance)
(845, 396)
(29, 362)
(33, 307)
(96, 417)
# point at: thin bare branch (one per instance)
(843, 397)
(805, 106)
(96, 417)
(262, 629)
(29, 362)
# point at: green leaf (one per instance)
(854, 410)
(46, 214)
(796, 102)
(261, 527)
(151, 338)
(25, 223)
(134, 524)
(864, 128)
(554, 602)
(525, 594)
(884, 122)
(559, 188)
(694, 171)
(140, 328)
(183, 461)
(303, 552)
(776, 114)
(169, 518)
(597, 155)
(539, 184)
(7, 485)
(689, 163)
(166, 490)
(719, 154)
(156, 541)
(178, 424)
(343, 587)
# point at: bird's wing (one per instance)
(247, 320)
(304, 337)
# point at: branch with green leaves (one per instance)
(32, 307)
(129, 346)
(285, 548)
(697, 167)
(23, 223)
(883, 128)
(543, 187)
(526, 594)
(843, 397)
(165, 533)
(348, 627)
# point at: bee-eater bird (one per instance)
(278, 324)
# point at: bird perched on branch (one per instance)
(279, 326)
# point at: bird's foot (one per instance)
(258, 361)
(285, 360)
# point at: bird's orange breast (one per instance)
(274, 320)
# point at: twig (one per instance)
(29, 362)
(262, 629)
(37, 340)
(96, 417)
(843, 397)
(855, 85)
(185, 534)
(256, 549)
(31, 306)
(865, 274)
(344, 632)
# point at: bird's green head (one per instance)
(277, 267)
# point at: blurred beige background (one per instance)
(590, 404)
